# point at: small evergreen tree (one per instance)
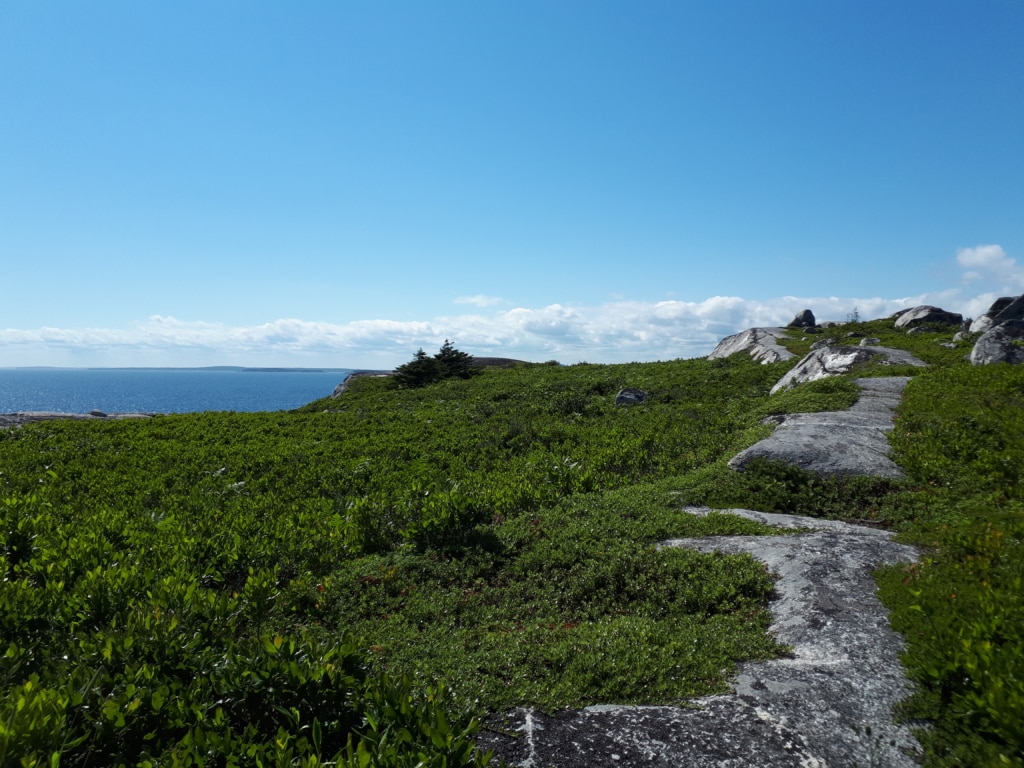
(455, 364)
(448, 363)
(419, 372)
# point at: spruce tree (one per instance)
(454, 364)
(448, 363)
(419, 372)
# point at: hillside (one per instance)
(365, 578)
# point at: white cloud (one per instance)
(614, 332)
(480, 300)
(617, 331)
(991, 263)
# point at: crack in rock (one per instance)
(827, 705)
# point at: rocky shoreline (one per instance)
(27, 417)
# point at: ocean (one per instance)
(163, 390)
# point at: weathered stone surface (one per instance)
(803, 319)
(982, 324)
(808, 709)
(836, 360)
(926, 314)
(1002, 309)
(1002, 344)
(852, 442)
(630, 396)
(870, 341)
(760, 343)
(826, 361)
(822, 343)
(1003, 303)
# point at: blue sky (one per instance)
(340, 183)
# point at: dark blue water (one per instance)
(162, 390)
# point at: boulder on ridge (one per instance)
(981, 324)
(1002, 344)
(760, 343)
(1002, 309)
(839, 359)
(822, 362)
(909, 318)
(803, 319)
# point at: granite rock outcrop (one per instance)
(1003, 343)
(761, 344)
(916, 316)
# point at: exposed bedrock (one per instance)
(1003, 343)
(851, 442)
(915, 316)
(813, 708)
(760, 343)
(836, 360)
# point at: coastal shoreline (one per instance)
(27, 417)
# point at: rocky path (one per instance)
(827, 704)
(851, 442)
(830, 702)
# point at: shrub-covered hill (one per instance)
(355, 581)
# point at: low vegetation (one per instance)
(359, 581)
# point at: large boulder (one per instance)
(837, 360)
(1002, 344)
(1002, 309)
(1014, 310)
(803, 319)
(827, 361)
(910, 318)
(981, 324)
(1001, 304)
(760, 343)
(630, 396)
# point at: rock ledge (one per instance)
(810, 709)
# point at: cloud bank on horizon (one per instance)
(617, 331)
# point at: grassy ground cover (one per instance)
(356, 581)
(291, 587)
